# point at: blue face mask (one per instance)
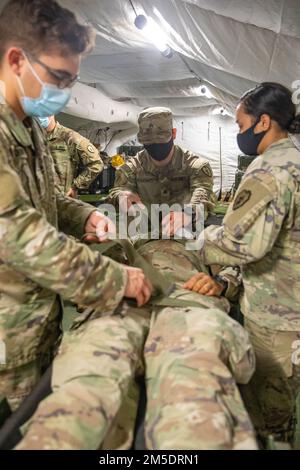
(50, 102)
(44, 121)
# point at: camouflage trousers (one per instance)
(17, 383)
(275, 384)
(18, 379)
(191, 359)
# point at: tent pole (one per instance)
(221, 165)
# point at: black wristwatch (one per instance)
(222, 281)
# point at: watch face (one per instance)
(221, 281)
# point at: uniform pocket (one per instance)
(179, 185)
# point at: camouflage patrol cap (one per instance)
(155, 126)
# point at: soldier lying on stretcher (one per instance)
(191, 353)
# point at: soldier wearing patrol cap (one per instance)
(77, 161)
(164, 172)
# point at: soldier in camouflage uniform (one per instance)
(77, 162)
(261, 233)
(38, 263)
(163, 172)
(192, 356)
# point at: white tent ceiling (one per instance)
(229, 45)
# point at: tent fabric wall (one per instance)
(90, 103)
(193, 136)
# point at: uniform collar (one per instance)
(16, 127)
(53, 134)
(281, 144)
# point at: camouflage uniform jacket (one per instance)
(261, 232)
(77, 162)
(36, 261)
(187, 179)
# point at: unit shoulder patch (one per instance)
(241, 199)
(207, 171)
(252, 199)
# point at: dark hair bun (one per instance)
(294, 127)
(275, 100)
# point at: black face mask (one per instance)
(159, 152)
(248, 141)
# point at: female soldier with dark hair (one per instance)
(261, 233)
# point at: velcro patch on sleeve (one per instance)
(206, 169)
(91, 148)
(252, 198)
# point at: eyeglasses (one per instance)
(64, 79)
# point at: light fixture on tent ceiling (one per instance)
(153, 32)
(203, 90)
(220, 110)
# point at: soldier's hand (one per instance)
(204, 284)
(127, 198)
(175, 221)
(137, 287)
(100, 225)
(72, 193)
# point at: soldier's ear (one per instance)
(15, 59)
(264, 123)
(174, 133)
